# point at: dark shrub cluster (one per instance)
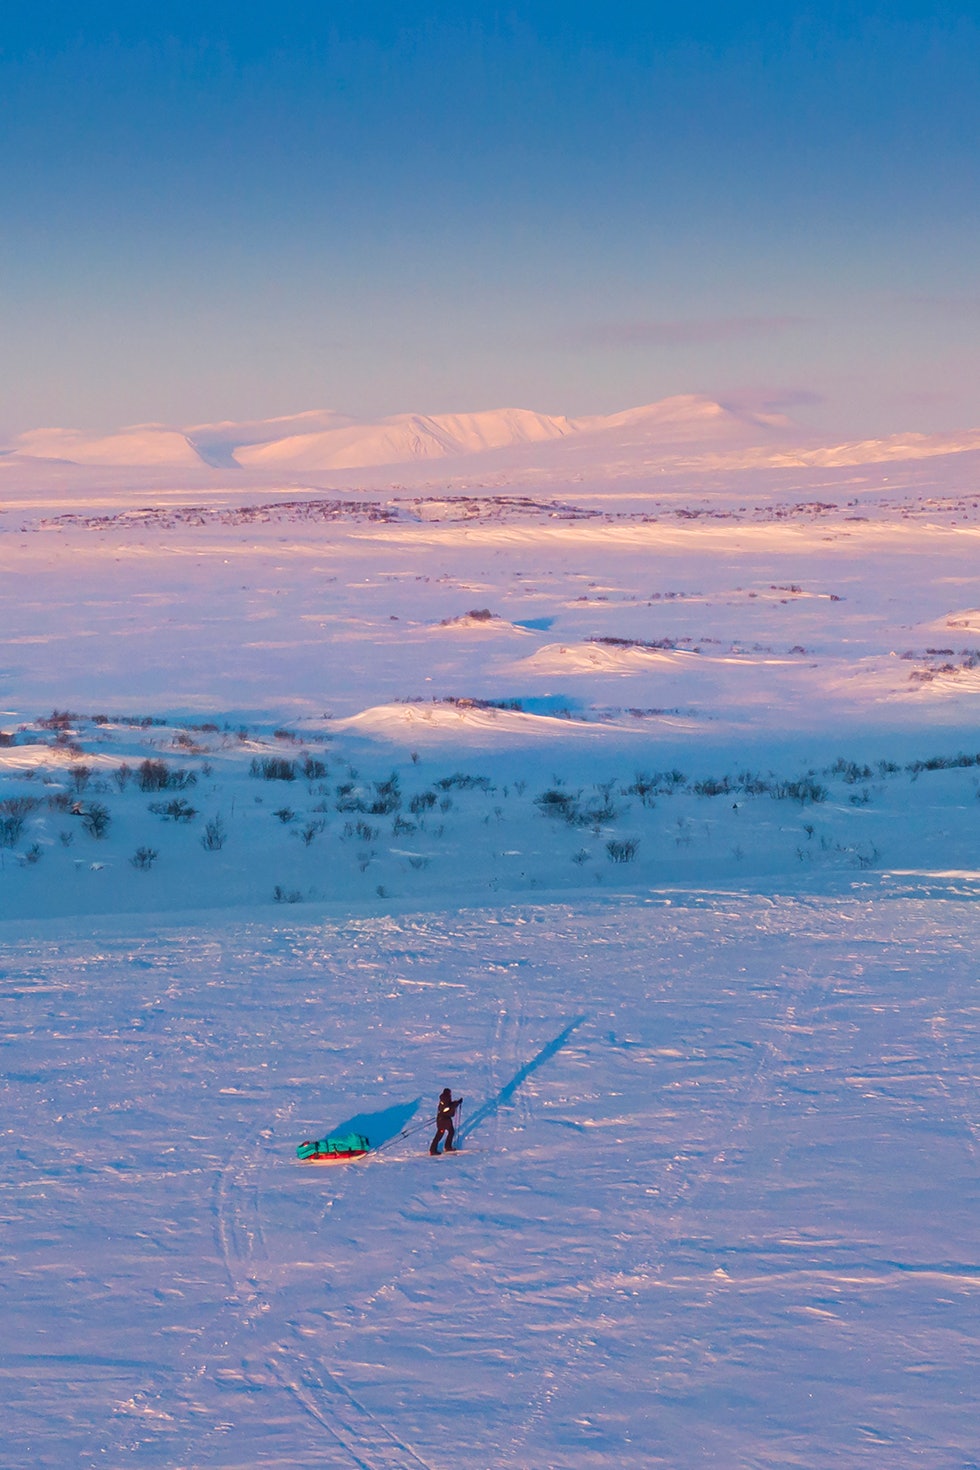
(14, 811)
(96, 819)
(176, 810)
(156, 775)
(273, 768)
(943, 763)
(462, 782)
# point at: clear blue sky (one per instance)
(224, 210)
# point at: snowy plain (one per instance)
(638, 801)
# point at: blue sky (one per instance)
(222, 210)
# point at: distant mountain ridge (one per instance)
(326, 440)
(686, 431)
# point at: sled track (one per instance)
(240, 1238)
(368, 1442)
(364, 1438)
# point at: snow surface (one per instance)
(716, 1203)
(643, 810)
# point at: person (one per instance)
(444, 1121)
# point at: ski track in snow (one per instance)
(725, 1153)
(364, 1438)
(344, 1420)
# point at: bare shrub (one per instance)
(214, 836)
(805, 789)
(851, 771)
(312, 830)
(144, 858)
(557, 803)
(59, 719)
(596, 814)
(96, 819)
(14, 811)
(153, 775)
(387, 797)
(644, 787)
(273, 768)
(283, 895)
(285, 814)
(753, 783)
(121, 776)
(712, 787)
(943, 763)
(175, 810)
(463, 782)
(622, 850)
(80, 776)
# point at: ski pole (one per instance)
(405, 1133)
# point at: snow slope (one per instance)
(149, 444)
(403, 438)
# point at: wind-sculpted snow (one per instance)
(714, 1206)
(766, 614)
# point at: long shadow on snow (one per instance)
(379, 1127)
(506, 1093)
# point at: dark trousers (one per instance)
(449, 1130)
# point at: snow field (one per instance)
(741, 617)
(717, 1035)
(717, 1208)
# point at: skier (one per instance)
(444, 1121)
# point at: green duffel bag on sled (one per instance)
(341, 1150)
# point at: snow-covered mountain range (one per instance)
(685, 428)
